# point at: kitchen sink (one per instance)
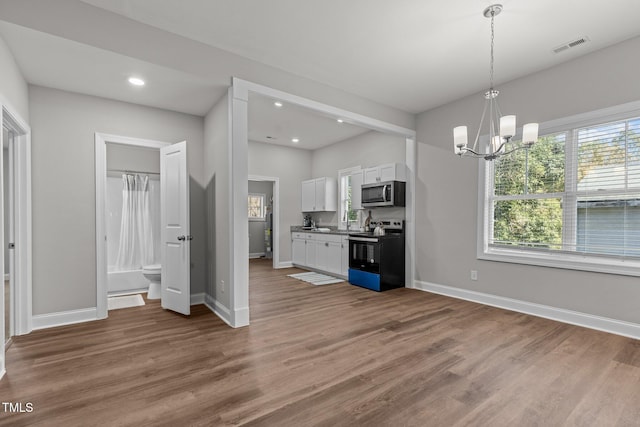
(323, 229)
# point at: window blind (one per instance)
(607, 212)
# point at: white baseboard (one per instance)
(618, 327)
(285, 264)
(197, 298)
(256, 255)
(241, 317)
(237, 319)
(218, 309)
(51, 320)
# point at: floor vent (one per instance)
(571, 44)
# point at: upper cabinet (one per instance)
(386, 172)
(319, 195)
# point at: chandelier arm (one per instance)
(484, 113)
(518, 147)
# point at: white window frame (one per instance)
(555, 259)
(264, 208)
(342, 225)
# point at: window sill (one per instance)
(257, 220)
(564, 260)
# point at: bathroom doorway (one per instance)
(138, 164)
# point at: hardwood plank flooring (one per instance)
(333, 355)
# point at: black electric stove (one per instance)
(377, 262)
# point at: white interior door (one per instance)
(175, 233)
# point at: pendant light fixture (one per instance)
(501, 128)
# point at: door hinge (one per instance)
(12, 245)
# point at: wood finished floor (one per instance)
(334, 355)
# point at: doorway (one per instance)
(264, 218)
(15, 249)
(175, 234)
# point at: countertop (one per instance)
(332, 230)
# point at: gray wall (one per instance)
(63, 126)
(292, 166)
(366, 150)
(256, 228)
(217, 178)
(447, 189)
(13, 87)
(136, 159)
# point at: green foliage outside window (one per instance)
(535, 222)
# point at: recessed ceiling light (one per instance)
(136, 81)
(340, 121)
(295, 140)
(278, 104)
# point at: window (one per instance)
(346, 180)
(257, 209)
(572, 200)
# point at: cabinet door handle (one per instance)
(326, 244)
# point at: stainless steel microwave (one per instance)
(389, 193)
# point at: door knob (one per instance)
(182, 238)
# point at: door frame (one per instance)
(276, 214)
(101, 141)
(21, 293)
(239, 152)
(21, 316)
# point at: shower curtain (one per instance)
(136, 238)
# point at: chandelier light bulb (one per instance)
(530, 133)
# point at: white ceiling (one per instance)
(409, 54)
(279, 125)
(412, 55)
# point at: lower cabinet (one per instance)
(324, 252)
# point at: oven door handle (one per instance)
(364, 239)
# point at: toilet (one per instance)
(153, 273)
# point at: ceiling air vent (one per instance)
(571, 44)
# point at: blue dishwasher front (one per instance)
(364, 279)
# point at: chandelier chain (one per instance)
(493, 14)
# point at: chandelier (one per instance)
(501, 128)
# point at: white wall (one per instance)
(217, 178)
(366, 150)
(447, 189)
(13, 87)
(63, 126)
(292, 166)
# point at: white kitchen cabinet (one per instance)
(322, 255)
(344, 255)
(319, 195)
(334, 256)
(323, 252)
(308, 197)
(298, 251)
(310, 252)
(385, 172)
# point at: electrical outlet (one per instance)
(222, 287)
(474, 274)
